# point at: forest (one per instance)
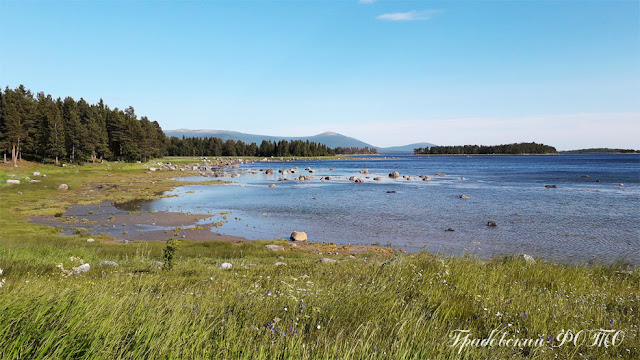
(41, 128)
(507, 149)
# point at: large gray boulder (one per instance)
(394, 174)
(298, 236)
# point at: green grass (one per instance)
(374, 306)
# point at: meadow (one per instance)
(366, 305)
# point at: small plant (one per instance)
(170, 253)
(80, 231)
(59, 214)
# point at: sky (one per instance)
(564, 73)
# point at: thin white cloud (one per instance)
(409, 15)
(366, 1)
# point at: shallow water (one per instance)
(579, 221)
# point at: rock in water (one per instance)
(298, 236)
(272, 185)
(492, 223)
(364, 171)
(450, 229)
(269, 172)
(63, 187)
(226, 265)
(464, 196)
(551, 186)
(377, 178)
(394, 174)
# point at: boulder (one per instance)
(274, 247)
(298, 236)
(269, 172)
(327, 178)
(377, 178)
(391, 192)
(450, 229)
(441, 174)
(108, 263)
(272, 185)
(279, 263)
(327, 261)
(358, 180)
(394, 174)
(529, 259)
(426, 178)
(464, 196)
(364, 171)
(13, 182)
(63, 187)
(463, 178)
(36, 173)
(551, 186)
(90, 240)
(331, 169)
(492, 223)
(80, 269)
(235, 175)
(226, 266)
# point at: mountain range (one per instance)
(331, 139)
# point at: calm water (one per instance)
(580, 221)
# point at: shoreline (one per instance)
(127, 226)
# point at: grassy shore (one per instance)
(371, 305)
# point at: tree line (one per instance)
(40, 127)
(603, 151)
(506, 149)
(213, 146)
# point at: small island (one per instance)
(507, 149)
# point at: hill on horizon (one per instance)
(329, 138)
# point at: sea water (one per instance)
(592, 216)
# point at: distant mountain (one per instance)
(331, 139)
(405, 148)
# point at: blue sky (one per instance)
(565, 73)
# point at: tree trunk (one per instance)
(5, 156)
(56, 160)
(13, 155)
